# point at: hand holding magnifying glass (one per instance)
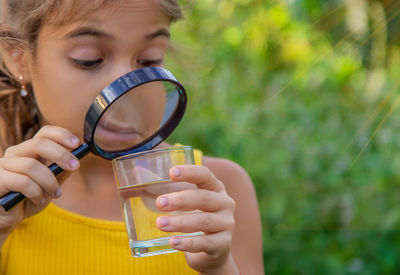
(134, 113)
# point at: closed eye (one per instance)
(149, 63)
(87, 64)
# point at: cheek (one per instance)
(63, 99)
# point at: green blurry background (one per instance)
(304, 95)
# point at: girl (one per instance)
(57, 55)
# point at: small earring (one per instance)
(23, 92)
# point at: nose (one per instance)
(121, 68)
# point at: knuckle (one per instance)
(190, 244)
(65, 156)
(35, 193)
(229, 238)
(39, 142)
(9, 151)
(231, 203)
(204, 197)
(205, 174)
(30, 164)
(226, 242)
(207, 222)
(64, 134)
(23, 182)
(178, 200)
(49, 183)
(207, 171)
(221, 185)
(232, 223)
(208, 242)
(44, 129)
(177, 223)
(29, 189)
(65, 159)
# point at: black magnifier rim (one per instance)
(118, 88)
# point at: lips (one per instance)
(112, 136)
(116, 127)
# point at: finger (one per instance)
(195, 222)
(141, 175)
(38, 172)
(20, 183)
(200, 199)
(46, 149)
(59, 135)
(210, 243)
(199, 175)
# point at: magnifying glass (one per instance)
(134, 113)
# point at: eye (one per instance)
(87, 64)
(149, 63)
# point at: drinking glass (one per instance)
(142, 178)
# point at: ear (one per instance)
(16, 61)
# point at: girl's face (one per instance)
(74, 62)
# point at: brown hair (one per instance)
(20, 25)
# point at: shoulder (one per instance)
(236, 180)
(238, 183)
(223, 166)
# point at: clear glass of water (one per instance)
(142, 178)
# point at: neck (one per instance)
(92, 190)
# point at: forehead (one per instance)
(72, 11)
(118, 17)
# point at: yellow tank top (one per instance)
(60, 242)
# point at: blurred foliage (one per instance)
(304, 95)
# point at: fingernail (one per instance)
(73, 163)
(58, 192)
(163, 201)
(163, 222)
(176, 171)
(176, 241)
(43, 201)
(75, 141)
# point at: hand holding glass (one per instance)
(142, 178)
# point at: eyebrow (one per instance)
(160, 32)
(89, 31)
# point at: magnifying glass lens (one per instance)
(136, 116)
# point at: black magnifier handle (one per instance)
(79, 153)
(10, 199)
